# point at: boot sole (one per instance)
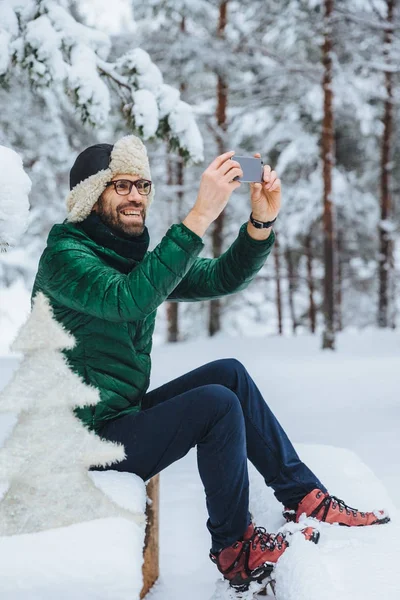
(261, 575)
(377, 522)
(291, 519)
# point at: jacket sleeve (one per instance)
(210, 278)
(76, 278)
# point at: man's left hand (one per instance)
(266, 196)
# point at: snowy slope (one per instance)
(326, 402)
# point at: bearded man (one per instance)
(105, 287)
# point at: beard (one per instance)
(116, 221)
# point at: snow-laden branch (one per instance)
(44, 39)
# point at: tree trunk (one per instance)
(291, 287)
(339, 321)
(214, 323)
(151, 569)
(172, 308)
(328, 150)
(278, 294)
(176, 176)
(312, 312)
(173, 321)
(385, 236)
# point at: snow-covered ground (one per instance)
(342, 411)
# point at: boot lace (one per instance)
(267, 541)
(332, 502)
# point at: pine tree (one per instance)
(44, 39)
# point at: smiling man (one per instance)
(105, 287)
(131, 216)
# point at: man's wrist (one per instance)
(197, 223)
(258, 234)
(263, 218)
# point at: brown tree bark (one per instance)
(151, 567)
(385, 237)
(312, 312)
(176, 176)
(291, 287)
(328, 153)
(338, 289)
(172, 308)
(278, 289)
(214, 322)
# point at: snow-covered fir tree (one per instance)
(46, 458)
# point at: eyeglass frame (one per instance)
(131, 183)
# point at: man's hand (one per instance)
(216, 186)
(266, 196)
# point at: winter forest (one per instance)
(312, 85)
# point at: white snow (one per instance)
(15, 186)
(89, 561)
(4, 51)
(346, 562)
(14, 308)
(342, 411)
(58, 51)
(184, 127)
(46, 60)
(145, 112)
(168, 99)
(92, 94)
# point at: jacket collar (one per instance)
(124, 245)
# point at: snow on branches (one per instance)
(44, 39)
(46, 457)
(15, 186)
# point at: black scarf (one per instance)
(133, 247)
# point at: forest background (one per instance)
(313, 85)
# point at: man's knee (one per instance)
(221, 400)
(229, 367)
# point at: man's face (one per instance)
(116, 211)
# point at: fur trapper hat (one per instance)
(97, 165)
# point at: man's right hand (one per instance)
(216, 187)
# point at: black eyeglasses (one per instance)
(123, 187)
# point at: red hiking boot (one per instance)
(254, 557)
(327, 508)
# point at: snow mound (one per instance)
(125, 489)
(348, 563)
(97, 560)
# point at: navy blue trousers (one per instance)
(219, 409)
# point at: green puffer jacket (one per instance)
(109, 302)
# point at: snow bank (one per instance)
(348, 563)
(97, 560)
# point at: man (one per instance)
(105, 287)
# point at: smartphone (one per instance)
(252, 169)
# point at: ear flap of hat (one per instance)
(85, 194)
